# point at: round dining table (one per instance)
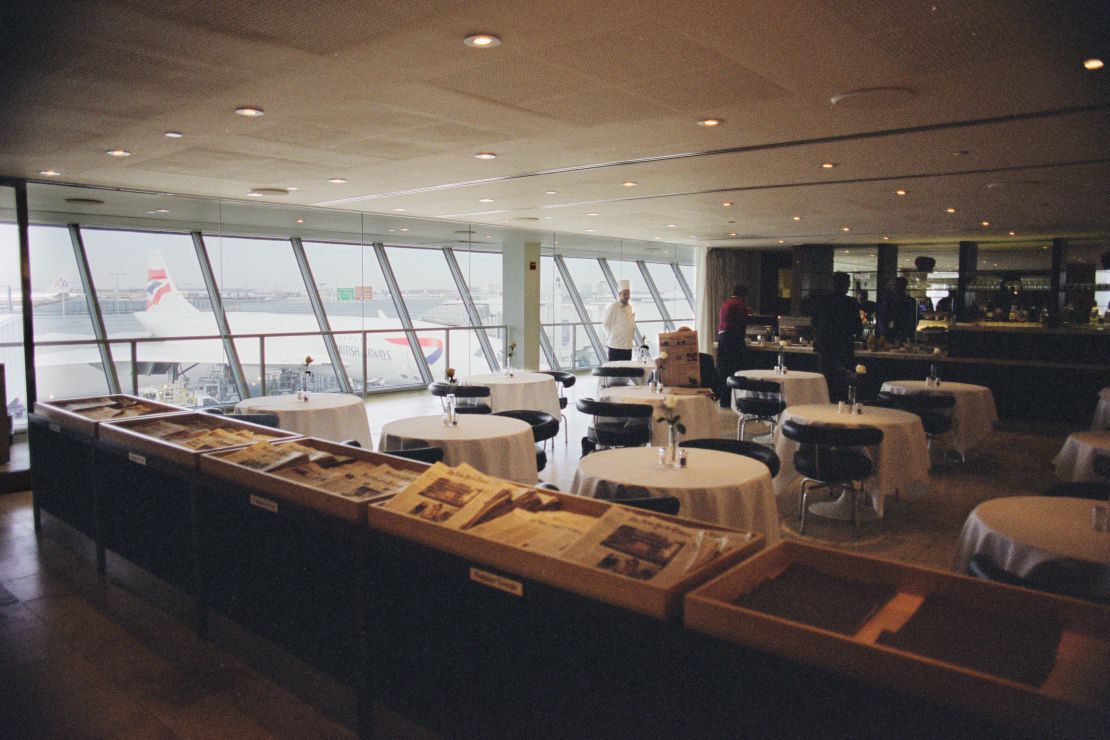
(797, 387)
(646, 366)
(521, 390)
(1075, 461)
(698, 411)
(973, 415)
(1027, 534)
(496, 445)
(714, 487)
(901, 460)
(333, 416)
(1101, 418)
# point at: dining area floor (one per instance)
(81, 655)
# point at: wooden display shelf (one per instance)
(58, 413)
(1074, 699)
(128, 434)
(310, 497)
(643, 598)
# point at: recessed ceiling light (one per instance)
(899, 192)
(161, 210)
(399, 210)
(485, 155)
(727, 204)
(1013, 233)
(782, 241)
(732, 233)
(548, 218)
(949, 210)
(1092, 64)
(482, 41)
(118, 153)
(711, 122)
(404, 229)
(827, 165)
(692, 236)
(49, 173)
(254, 194)
(961, 152)
(551, 192)
(629, 184)
(488, 236)
(249, 111)
(392, 229)
(173, 135)
(300, 220)
(672, 226)
(796, 218)
(984, 223)
(886, 238)
(590, 231)
(593, 213)
(337, 181)
(485, 200)
(292, 189)
(656, 238)
(845, 228)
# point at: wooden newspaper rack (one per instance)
(643, 598)
(60, 413)
(301, 494)
(128, 434)
(1070, 697)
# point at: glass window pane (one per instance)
(433, 300)
(690, 273)
(596, 297)
(263, 293)
(483, 276)
(356, 298)
(671, 292)
(60, 313)
(11, 318)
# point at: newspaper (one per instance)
(649, 548)
(452, 497)
(544, 532)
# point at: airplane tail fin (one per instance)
(161, 292)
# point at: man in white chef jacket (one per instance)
(620, 324)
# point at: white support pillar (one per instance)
(520, 271)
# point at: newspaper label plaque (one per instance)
(484, 577)
(264, 503)
(136, 458)
(56, 428)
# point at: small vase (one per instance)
(852, 394)
(672, 445)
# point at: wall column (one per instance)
(520, 273)
(813, 269)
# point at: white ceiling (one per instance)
(1003, 124)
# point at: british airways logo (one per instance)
(426, 343)
(157, 286)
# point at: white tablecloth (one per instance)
(1073, 462)
(1022, 533)
(334, 416)
(698, 412)
(647, 367)
(1102, 411)
(496, 445)
(524, 390)
(973, 416)
(798, 386)
(716, 487)
(901, 461)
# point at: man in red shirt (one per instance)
(731, 325)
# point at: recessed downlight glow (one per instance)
(727, 204)
(249, 111)
(899, 192)
(118, 153)
(629, 184)
(404, 228)
(292, 189)
(485, 155)
(796, 218)
(782, 241)
(254, 194)
(590, 231)
(1092, 64)
(49, 173)
(300, 220)
(845, 228)
(337, 181)
(482, 41)
(551, 192)
(173, 135)
(827, 165)
(732, 233)
(949, 210)
(711, 122)
(593, 213)
(984, 223)
(672, 226)
(1013, 233)
(161, 210)
(485, 200)
(399, 210)
(886, 238)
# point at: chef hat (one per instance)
(623, 285)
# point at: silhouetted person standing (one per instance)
(731, 327)
(898, 314)
(836, 324)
